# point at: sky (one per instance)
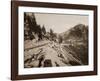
(60, 22)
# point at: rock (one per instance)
(47, 63)
(34, 63)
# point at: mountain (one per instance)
(77, 33)
(77, 40)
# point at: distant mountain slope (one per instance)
(78, 32)
(77, 39)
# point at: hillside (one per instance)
(48, 54)
(77, 39)
(78, 32)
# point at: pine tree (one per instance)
(43, 30)
(51, 34)
(30, 26)
(60, 39)
(39, 31)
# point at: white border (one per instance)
(22, 70)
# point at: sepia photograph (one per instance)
(55, 40)
(51, 40)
